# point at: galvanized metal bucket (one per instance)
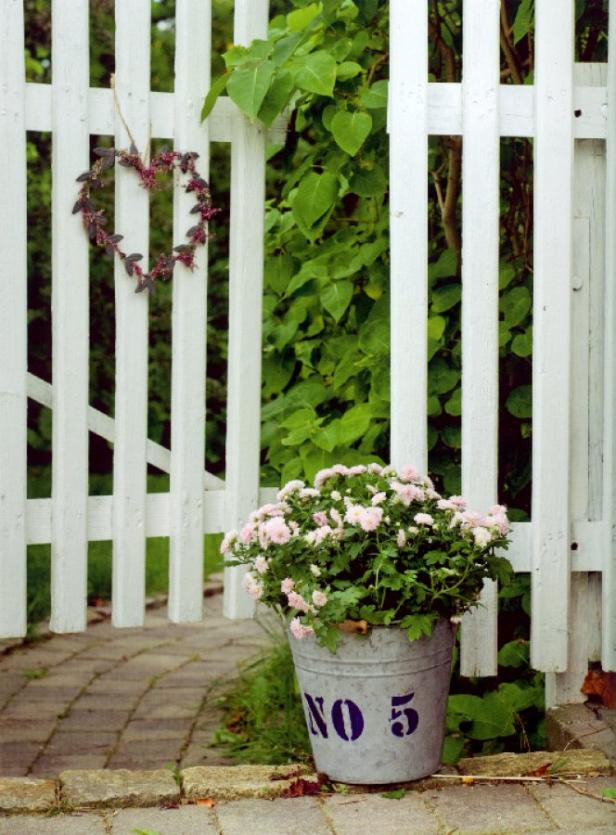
(375, 709)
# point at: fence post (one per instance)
(609, 505)
(245, 306)
(480, 270)
(70, 317)
(189, 325)
(408, 211)
(554, 22)
(13, 323)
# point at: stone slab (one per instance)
(350, 814)
(564, 763)
(117, 788)
(237, 781)
(503, 808)
(25, 794)
(299, 816)
(571, 810)
(62, 825)
(186, 820)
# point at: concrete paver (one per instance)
(349, 815)
(481, 808)
(62, 825)
(569, 809)
(187, 820)
(265, 817)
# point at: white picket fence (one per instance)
(569, 547)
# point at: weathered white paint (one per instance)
(13, 323)
(132, 85)
(480, 256)
(245, 306)
(608, 651)
(444, 116)
(587, 334)
(554, 21)
(408, 212)
(189, 327)
(70, 317)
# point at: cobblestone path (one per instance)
(118, 698)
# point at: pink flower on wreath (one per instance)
(320, 518)
(407, 493)
(296, 601)
(287, 585)
(298, 630)
(371, 518)
(354, 514)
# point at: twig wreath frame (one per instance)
(94, 217)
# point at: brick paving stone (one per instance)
(67, 743)
(149, 753)
(56, 694)
(84, 720)
(18, 754)
(26, 795)
(10, 683)
(480, 808)
(187, 820)
(138, 729)
(115, 688)
(26, 730)
(262, 817)
(20, 709)
(569, 809)
(97, 701)
(52, 765)
(349, 814)
(29, 659)
(238, 781)
(166, 710)
(118, 788)
(64, 825)
(122, 672)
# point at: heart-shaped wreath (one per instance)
(164, 162)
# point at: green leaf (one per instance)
(442, 378)
(445, 267)
(453, 746)
(278, 272)
(395, 794)
(347, 70)
(213, 93)
(314, 198)
(277, 97)
(522, 344)
(375, 97)
(300, 18)
(436, 327)
(418, 625)
(514, 654)
(350, 130)
(368, 183)
(336, 298)
(520, 402)
(497, 719)
(444, 298)
(374, 337)
(354, 423)
(453, 406)
(609, 793)
(524, 20)
(316, 73)
(248, 85)
(515, 305)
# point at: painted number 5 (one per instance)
(405, 721)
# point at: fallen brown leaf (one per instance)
(354, 627)
(206, 801)
(603, 685)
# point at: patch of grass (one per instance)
(33, 675)
(99, 556)
(264, 720)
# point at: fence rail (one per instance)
(572, 536)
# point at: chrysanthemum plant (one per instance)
(368, 544)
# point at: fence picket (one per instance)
(554, 22)
(407, 125)
(608, 652)
(480, 255)
(132, 86)
(13, 323)
(245, 306)
(70, 321)
(189, 326)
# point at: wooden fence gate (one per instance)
(569, 546)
